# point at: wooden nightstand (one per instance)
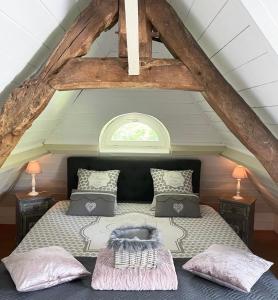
(239, 214)
(29, 210)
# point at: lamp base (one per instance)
(237, 197)
(33, 193)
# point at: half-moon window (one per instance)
(134, 133)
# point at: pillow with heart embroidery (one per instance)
(92, 204)
(171, 181)
(177, 205)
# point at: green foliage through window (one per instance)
(135, 132)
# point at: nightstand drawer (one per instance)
(35, 208)
(232, 208)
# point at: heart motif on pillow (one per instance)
(90, 206)
(178, 207)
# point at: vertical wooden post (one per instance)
(145, 31)
(122, 30)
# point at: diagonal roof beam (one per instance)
(26, 103)
(220, 95)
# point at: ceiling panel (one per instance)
(240, 51)
(257, 72)
(32, 17)
(228, 24)
(202, 14)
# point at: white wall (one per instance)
(177, 110)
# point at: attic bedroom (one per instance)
(138, 149)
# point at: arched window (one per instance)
(134, 133)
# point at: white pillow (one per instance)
(43, 268)
(169, 181)
(228, 266)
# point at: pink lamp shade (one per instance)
(33, 167)
(239, 172)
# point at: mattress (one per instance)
(85, 236)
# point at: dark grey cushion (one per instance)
(92, 204)
(177, 205)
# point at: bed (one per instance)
(185, 237)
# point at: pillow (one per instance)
(43, 268)
(98, 181)
(165, 181)
(228, 266)
(92, 204)
(177, 205)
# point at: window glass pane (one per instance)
(135, 132)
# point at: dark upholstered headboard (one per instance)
(135, 182)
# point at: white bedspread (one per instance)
(85, 236)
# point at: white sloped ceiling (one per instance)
(223, 28)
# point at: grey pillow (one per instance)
(98, 181)
(165, 181)
(177, 205)
(92, 204)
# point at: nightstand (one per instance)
(239, 214)
(29, 210)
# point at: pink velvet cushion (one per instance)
(42, 268)
(228, 266)
(106, 277)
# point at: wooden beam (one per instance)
(220, 95)
(145, 31)
(85, 73)
(122, 30)
(26, 103)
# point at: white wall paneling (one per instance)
(177, 110)
(224, 28)
(199, 25)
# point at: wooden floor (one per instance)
(7, 239)
(265, 244)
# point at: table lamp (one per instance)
(239, 173)
(33, 168)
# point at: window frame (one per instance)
(107, 145)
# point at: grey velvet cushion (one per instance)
(165, 181)
(43, 268)
(92, 204)
(177, 205)
(98, 181)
